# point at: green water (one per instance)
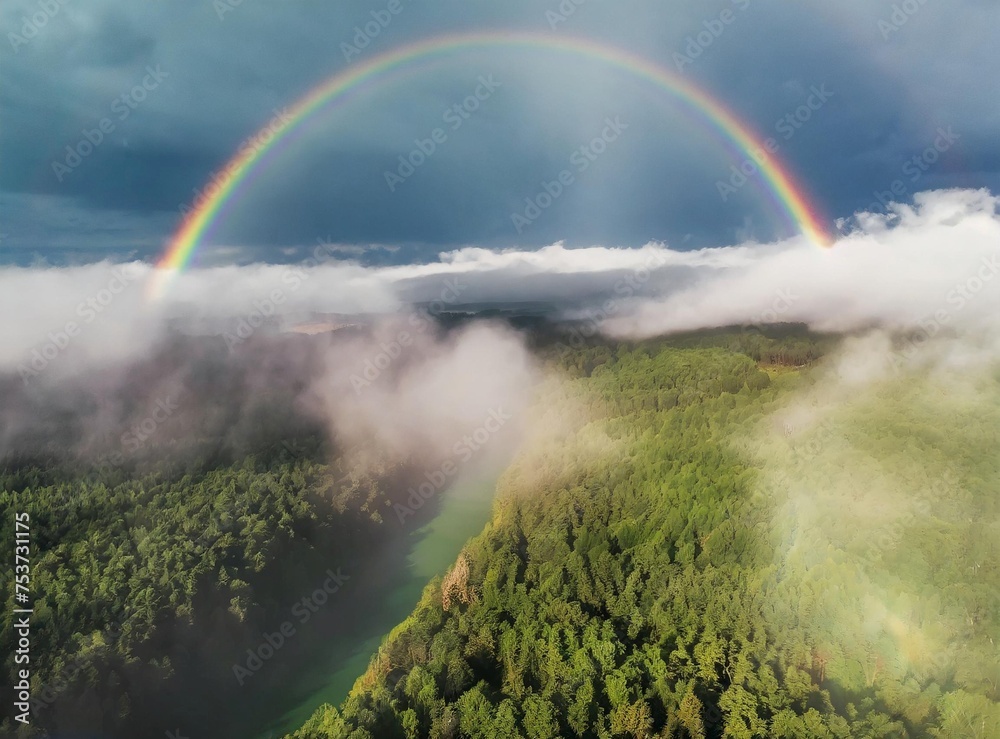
(389, 598)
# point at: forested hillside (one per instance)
(710, 552)
(147, 583)
(158, 560)
(728, 533)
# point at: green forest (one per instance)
(704, 536)
(683, 564)
(151, 580)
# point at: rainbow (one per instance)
(788, 196)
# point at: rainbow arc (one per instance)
(787, 195)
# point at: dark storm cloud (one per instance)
(898, 72)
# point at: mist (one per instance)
(396, 390)
(882, 457)
(358, 351)
(927, 265)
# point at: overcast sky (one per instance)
(215, 73)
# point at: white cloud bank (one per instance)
(937, 260)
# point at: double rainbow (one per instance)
(788, 196)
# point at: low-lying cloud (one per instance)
(932, 262)
(935, 261)
(407, 392)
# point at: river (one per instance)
(390, 590)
